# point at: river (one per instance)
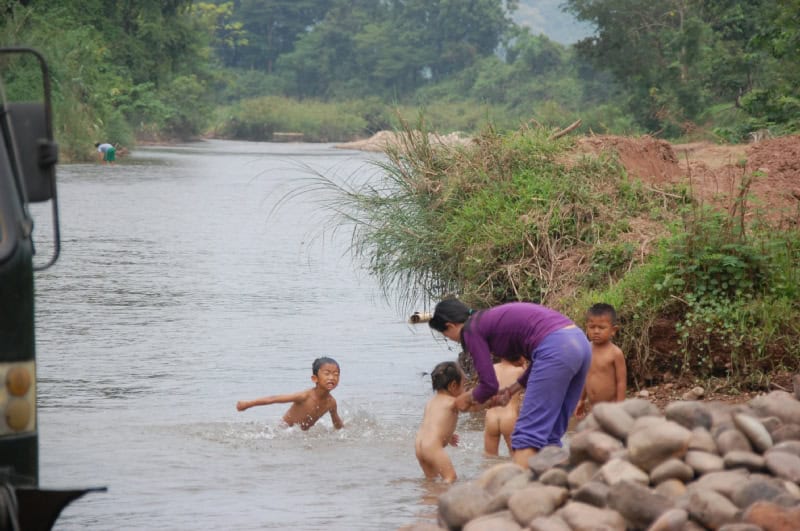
(188, 280)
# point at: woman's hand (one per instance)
(502, 398)
(454, 440)
(504, 395)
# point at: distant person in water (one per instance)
(500, 420)
(309, 405)
(559, 356)
(108, 153)
(438, 428)
(607, 380)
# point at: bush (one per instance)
(519, 216)
(260, 118)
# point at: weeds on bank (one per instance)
(700, 291)
(510, 217)
(717, 300)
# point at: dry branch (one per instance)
(566, 131)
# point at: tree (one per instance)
(394, 47)
(452, 34)
(274, 27)
(227, 36)
(325, 59)
(656, 50)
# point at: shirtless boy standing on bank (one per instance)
(607, 378)
(309, 405)
(500, 420)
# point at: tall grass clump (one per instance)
(261, 118)
(509, 217)
(703, 291)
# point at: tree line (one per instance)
(163, 69)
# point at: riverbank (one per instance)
(695, 245)
(383, 140)
(697, 464)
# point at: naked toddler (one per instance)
(439, 423)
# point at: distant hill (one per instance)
(546, 16)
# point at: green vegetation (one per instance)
(119, 70)
(520, 216)
(335, 69)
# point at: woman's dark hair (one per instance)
(449, 311)
(444, 374)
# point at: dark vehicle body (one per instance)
(28, 157)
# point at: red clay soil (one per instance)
(714, 172)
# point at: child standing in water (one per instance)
(309, 405)
(500, 420)
(439, 423)
(607, 378)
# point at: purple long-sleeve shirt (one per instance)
(507, 331)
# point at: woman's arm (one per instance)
(478, 348)
(504, 396)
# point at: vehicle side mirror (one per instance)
(38, 154)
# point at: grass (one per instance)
(518, 216)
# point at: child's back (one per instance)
(439, 423)
(500, 420)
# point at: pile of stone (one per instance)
(698, 465)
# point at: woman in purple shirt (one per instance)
(560, 357)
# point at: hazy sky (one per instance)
(545, 16)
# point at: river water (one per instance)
(188, 280)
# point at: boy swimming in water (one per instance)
(439, 423)
(309, 405)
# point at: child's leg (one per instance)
(445, 467)
(507, 438)
(491, 434)
(427, 468)
(435, 462)
(507, 423)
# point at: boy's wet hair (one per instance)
(601, 309)
(444, 374)
(319, 362)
